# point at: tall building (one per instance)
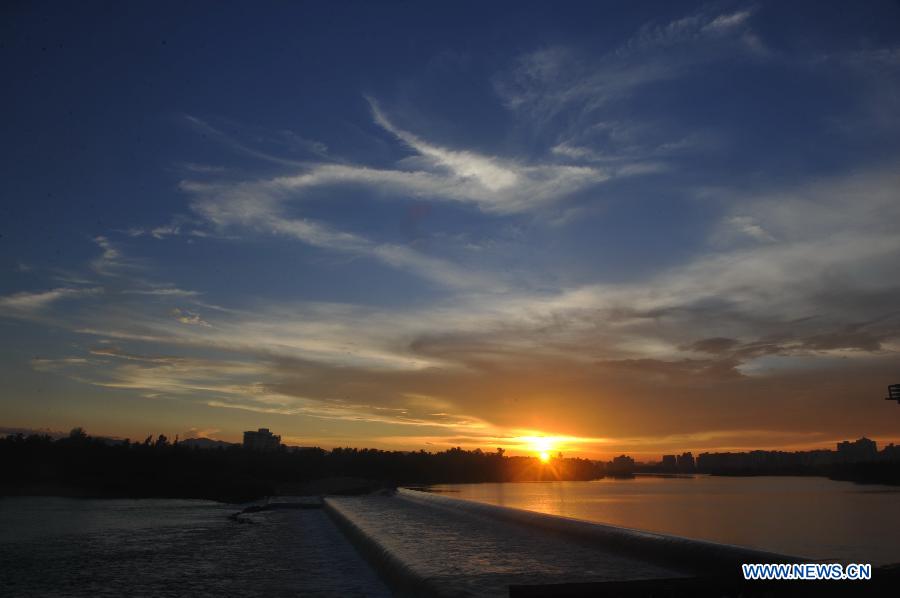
(621, 466)
(669, 463)
(685, 462)
(862, 450)
(261, 440)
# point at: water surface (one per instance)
(158, 548)
(806, 516)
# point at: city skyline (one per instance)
(603, 229)
(541, 447)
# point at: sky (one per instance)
(640, 227)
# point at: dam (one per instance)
(426, 544)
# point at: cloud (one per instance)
(255, 211)
(728, 21)
(29, 303)
(202, 168)
(488, 172)
(581, 97)
(179, 225)
(286, 139)
(163, 292)
(188, 317)
(791, 328)
(493, 184)
(825, 276)
(747, 225)
(437, 174)
(715, 345)
(109, 259)
(703, 26)
(249, 385)
(112, 261)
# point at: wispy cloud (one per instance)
(493, 184)
(112, 261)
(437, 173)
(253, 386)
(580, 97)
(813, 244)
(188, 317)
(287, 139)
(166, 291)
(546, 81)
(177, 226)
(254, 208)
(30, 303)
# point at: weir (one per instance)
(427, 544)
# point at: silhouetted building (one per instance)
(685, 463)
(890, 453)
(817, 458)
(762, 460)
(261, 440)
(669, 463)
(621, 466)
(858, 451)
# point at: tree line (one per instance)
(80, 465)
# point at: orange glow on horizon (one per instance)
(542, 446)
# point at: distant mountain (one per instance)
(205, 443)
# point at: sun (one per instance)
(542, 445)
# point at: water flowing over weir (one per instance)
(426, 544)
(149, 548)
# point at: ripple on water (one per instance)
(68, 547)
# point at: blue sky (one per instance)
(631, 226)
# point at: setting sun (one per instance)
(542, 445)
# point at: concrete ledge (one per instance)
(697, 556)
(402, 579)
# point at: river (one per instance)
(805, 516)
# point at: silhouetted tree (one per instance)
(96, 467)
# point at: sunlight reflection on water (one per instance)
(807, 516)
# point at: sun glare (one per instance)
(542, 445)
(546, 448)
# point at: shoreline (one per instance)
(344, 486)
